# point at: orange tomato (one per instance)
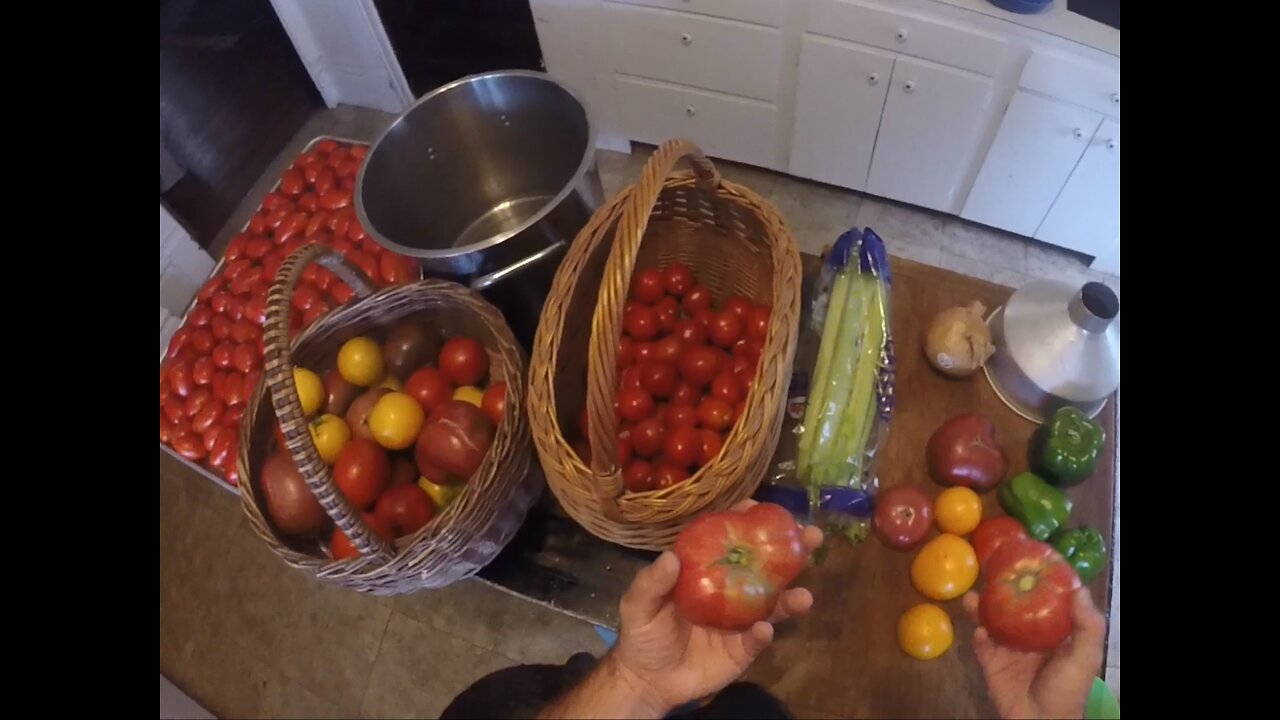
(957, 510)
(925, 632)
(945, 568)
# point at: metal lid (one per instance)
(1065, 339)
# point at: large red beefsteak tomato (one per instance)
(1026, 603)
(734, 564)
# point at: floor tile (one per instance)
(420, 669)
(816, 214)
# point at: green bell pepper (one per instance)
(1039, 506)
(1084, 549)
(1066, 448)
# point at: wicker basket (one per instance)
(475, 527)
(735, 242)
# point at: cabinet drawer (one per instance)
(761, 12)
(722, 55)
(723, 126)
(1086, 215)
(942, 41)
(1074, 80)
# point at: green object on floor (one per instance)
(1039, 506)
(1084, 548)
(1101, 703)
(1065, 449)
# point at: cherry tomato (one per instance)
(624, 448)
(319, 221)
(698, 298)
(690, 332)
(648, 287)
(358, 151)
(278, 216)
(668, 349)
(638, 476)
(258, 223)
(196, 401)
(464, 360)
(208, 415)
(292, 183)
(235, 248)
(758, 323)
(668, 474)
(274, 200)
(700, 365)
(199, 316)
(337, 156)
(308, 202)
(646, 351)
(682, 445)
(325, 146)
(366, 262)
(686, 394)
(246, 358)
(678, 278)
(314, 312)
(334, 199)
(202, 370)
(704, 317)
(668, 311)
(749, 348)
(324, 180)
(715, 414)
(341, 292)
(180, 379)
(396, 269)
(304, 296)
(630, 378)
(292, 227)
(626, 354)
(255, 309)
(642, 323)
(647, 437)
(190, 447)
(210, 287)
(257, 247)
(635, 404)
(233, 415)
(659, 378)
(726, 387)
(201, 340)
(680, 415)
(740, 306)
(349, 169)
(244, 283)
(179, 341)
(237, 390)
(172, 408)
(225, 444)
(712, 441)
(339, 221)
(725, 329)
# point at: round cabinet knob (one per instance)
(1077, 133)
(688, 110)
(901, 35)
(1115, 99)
(1112, 144)
(909, 86)
(873, 79)
(687, 39)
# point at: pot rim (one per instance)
(584, 165)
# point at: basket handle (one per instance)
(278, 376)
(606, 323)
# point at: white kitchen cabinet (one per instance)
(840, 93)
(724, 126)
(1038, 145)
(928, 134)
(1086, 215)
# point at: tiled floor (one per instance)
(246, 637)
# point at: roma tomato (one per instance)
(396, 269)
(335, 198)
(635, 404)
(945, 568)
(677, 278)
(641, 322)
(180, 379)
(725, 329)
(292, 183)
(464, 360)
(735, 564)
(1026, 602)
(246, 359)
(698, 298)
(682, 445)
(994, 532)
(648, 286)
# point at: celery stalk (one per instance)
(840, 377)
(856, 424)
(826, 350)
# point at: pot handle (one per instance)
(484, 281)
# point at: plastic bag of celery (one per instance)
(842, 391)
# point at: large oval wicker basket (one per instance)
(471, 530)
(735, 242)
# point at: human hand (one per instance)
(1053, 684)
(668, 660)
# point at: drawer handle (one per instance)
(690, 111)
(873, 79)
(687, 39)
(1115, 98)
(1112, 144)
(1077, 134)
(909, 86)
(901, 35)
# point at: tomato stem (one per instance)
(738, 556)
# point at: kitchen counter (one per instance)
(1057, 21)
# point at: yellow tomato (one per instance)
(391, 383)
(958, 510)
(310, 390)
(396, 420)
(945, 568)
(441, 495)
(925, 632)
(360, 361)
(329, 433)
(469, 394)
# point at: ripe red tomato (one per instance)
(641, 322)
(648, 286)
(647, 437)
(624, 448)
(429, 387)
(232, 416)
(196, 401)
(699, 365)
(341, 292)
(337, 156)
(749, 348)
(682, 445)
(668, 311)
(308, 202)
(903, 517)
(180, 379)
(992, 533)
(244, 331)
(659, 378)
(733, 565)
(690, 332)
(668, 474)
(201, 340)
(322, 147)
(220, 326)
(274, 200)
(1026, 601)
(645, 351)
(711, 444)
(626, 355)
(292, 183)
(678, 278)
(396, 269)
(258, 223)
(638, 476)
(686, 394)
(464, 360)
(680, 416)
(494, 402)
(406, 507)
(758, 322)
(237, 390)
(224, 446)
(704, 317)
(698, 298)
(362, 471)
(209, 414)
(246, 359)
(726, 387)
(202, 370)
(323, 179)
(172, 408)
(358, 151)
(210, 287)
(630, 378)
(292, 227)
(740, 306)
(725, 329)
(189, 446)
(334, 199)
(341, 548)
(635, 404)
(715, 414)
(668, 349)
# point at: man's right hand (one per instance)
(1043, 685)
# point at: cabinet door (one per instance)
(1038, 144)
(839, 96)
(928, 133)
(1086, 216)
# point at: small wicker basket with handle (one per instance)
(474, 527)
(735, 242)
